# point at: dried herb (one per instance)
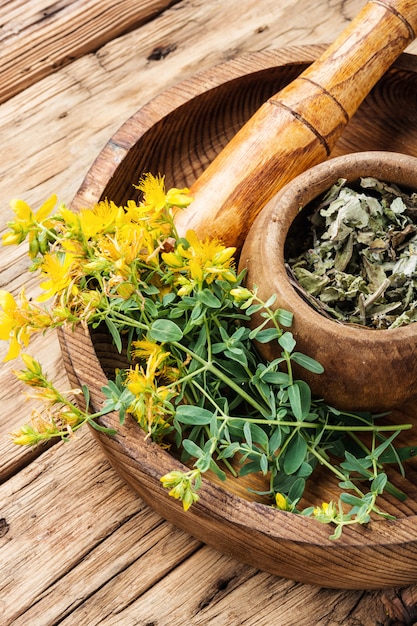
(358, 263)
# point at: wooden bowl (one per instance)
(358, 361)
(177, 134)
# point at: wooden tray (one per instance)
(178, 134)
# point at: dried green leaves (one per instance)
(359, 263)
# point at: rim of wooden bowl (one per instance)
(382, 554)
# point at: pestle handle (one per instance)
(297, 127)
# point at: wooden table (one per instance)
(76, 545)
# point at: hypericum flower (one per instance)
(27, 220)
(150, 406)
(153, 189)
(178, 197)
(13, 325)
(42, 427)
(146, 348)
(58, 270)
(33, 374)
(200, 261)
(100, 219)
(282, 503)
(19, 321)
(326, 512)
(183, 486)
(241, 294)
(156, 200)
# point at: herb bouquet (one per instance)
(195, 382)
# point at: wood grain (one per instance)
(39, 38)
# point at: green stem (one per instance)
(327, 427)
(223, 377)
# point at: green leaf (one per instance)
(276, 378)
(356, 465)
(295, 454)
(270, 301)
(192, 448)
(294, 396)
(247, 434)
(284, 317)
(375, 454)
(165, 330)
(254, 308)
(297, 489)
(305, 470)
(275, 440)
(379, 483)
(114, 332)
(86, 394)
(264, 464)
(402, 454)
(249, 468)
(195, 415)
(259, 435)
(236, 354)
(216, 469)
(204, 462)
(267, 334)
(307, 362)
(209, 299)
(305, 398)
(229, 451)
(287, 341)
(102, 429)
(349, 498)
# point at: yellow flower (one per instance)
(42, 427)
(149, 406)
(100, 219)
(183, 486)
(137, 381)
(57, 269)
(13, 325)
(18, 322)
(153, 189)
(26, 220)
(178, 197)
(240, 294)
(282, 503)
(33, 375)
(326, 512)
(144, 348)
(200, 261)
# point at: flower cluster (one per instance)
(87, 259)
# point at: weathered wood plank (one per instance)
(99, 556)
(69, 523)
(39, 38)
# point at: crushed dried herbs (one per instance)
(355, 258)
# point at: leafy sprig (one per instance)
(195, 382)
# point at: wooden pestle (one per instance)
(297, 127)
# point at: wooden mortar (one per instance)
(364, 369)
